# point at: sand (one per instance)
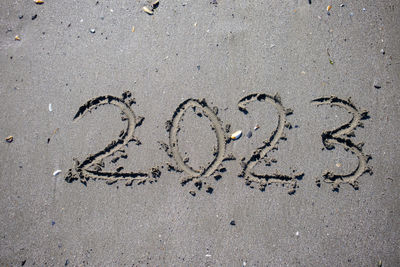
(173, 189)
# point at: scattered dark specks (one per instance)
(53, 222)
(232, 222)
(34, 17)
(198, 67)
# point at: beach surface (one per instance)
(156, 99)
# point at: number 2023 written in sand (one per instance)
(91, 167)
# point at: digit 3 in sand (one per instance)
(341, 136)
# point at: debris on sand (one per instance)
(39, 2)
(155, 4)
(377, 84)
(328, 9)
(54, 132)
(9, 139)
(232, 222)
(17, 38)
(249, 134)
(236, 135)
(148, 10)
(57, 172)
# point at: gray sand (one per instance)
(195, 49)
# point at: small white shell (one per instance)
(148, 10)
(50, 108)
(57, 172)
(236, 135)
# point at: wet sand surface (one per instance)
(173, 189)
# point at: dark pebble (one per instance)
(249, 134)
(232, 223)
(34, 17)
